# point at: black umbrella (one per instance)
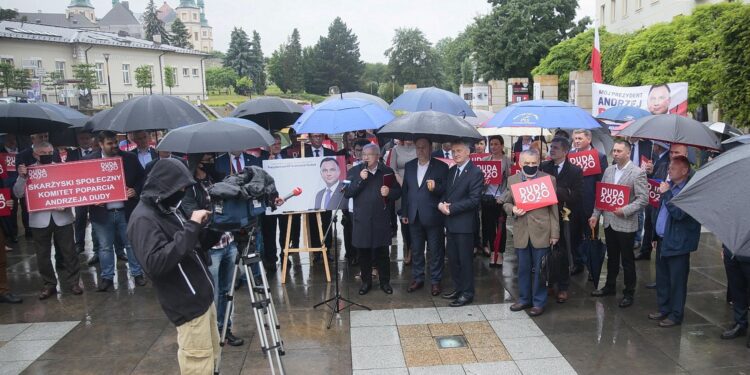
(724, 130)
(716, 196)
(673, 129)
(30, 118)
(95, 120)
(270, 112)
(436, 126)
(222, 135)
(735, 141)
(150, 112)
(594, 251)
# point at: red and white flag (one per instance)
(596, 56)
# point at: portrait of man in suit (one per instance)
(331, 195)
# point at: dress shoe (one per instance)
(386, 287)
(451, 295)
(575, 270)
(603, 292)
(414, 286)
(519, 306)
(734, 333)
(76, 289)
(140, 280)
(562, 296)
(643, 256)
(47, 292)
(626, 301)
(535, 311)
(657, 316)
(651, 286)
(461, 301)
(233, 340)
(364, 289)
(10, 298)
(93, 260)
(104, 285)
(436, 290)
(666, 323)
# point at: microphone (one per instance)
(295, 192)
(345, 184)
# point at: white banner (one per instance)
(657, 99)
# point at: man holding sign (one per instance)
(533, 203)
(582, 142)
(621, 223)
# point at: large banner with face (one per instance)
(657, 99)
(321, 180)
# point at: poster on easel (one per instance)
(321, 180)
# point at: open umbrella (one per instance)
(342, 115)
(601, 140)
(222, 135)
(436, 126)
(716, 196)
(623, 113)
(271, 112)
(432, 99)
(75, 118)
(360, 95)
(594, 252)
(547, 114)
(149, 112)
(672, 128)
(515, 131)
(724, 130)
(735, 141)
(482, 117)
(31, 118)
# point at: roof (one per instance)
(58, 19)
(166, 14)
(53, 34)
(119, 15)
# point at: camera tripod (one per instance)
(337, 299)
(264, 311)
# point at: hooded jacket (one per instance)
(172, 249)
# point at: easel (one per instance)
(305, 241)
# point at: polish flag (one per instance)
(596, 57)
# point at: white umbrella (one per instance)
(514, 131)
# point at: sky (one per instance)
(373, 21)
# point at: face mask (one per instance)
(45, 159)
(173, 201)
(530, 170)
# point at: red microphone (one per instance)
(295, 192)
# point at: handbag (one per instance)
(553, 266)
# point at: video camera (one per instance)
(237, 201)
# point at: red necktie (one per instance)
(237, 165)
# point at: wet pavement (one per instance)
(126, 332)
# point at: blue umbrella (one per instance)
(343, 115)
(623, 113)
(548, 114)
(432, 99)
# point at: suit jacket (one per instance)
(371, 226)
(223, 163)
(418, 200)
(439, 154)
(326, 152)
(151, 150)
(538, 226)
(589, 186)
(682, 233)
(569, 185)
(661, 168)
(464, 193)
(134, 178)
(336, 198)
(41, 219)
(634, 178)
(644, 150)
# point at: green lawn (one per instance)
(216, 100)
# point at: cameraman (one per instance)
(173, 252)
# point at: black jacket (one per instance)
(372, 216)
(134, 178)
(172, 249)
(464, 193)
(417, 200)
(569, 183)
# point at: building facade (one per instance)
(40, 49)
(624, 16)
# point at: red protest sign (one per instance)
(9, 159)
(450, 162)
(478, 156)
(645, 160)
(610, 197)
(3, 169)
(533, 194)
(653, 193)
(73, 184)
(4, 198)
(493, 171)
(587, 160)
(514, 169)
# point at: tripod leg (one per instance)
(227, 312)
(272, 317)
(258, 315)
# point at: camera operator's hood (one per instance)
(166, 178)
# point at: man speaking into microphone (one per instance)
(372, 198)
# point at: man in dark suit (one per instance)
(143, 150)
(569, 188)
(110, 220)
(235, 162)
(461, 200)
(444, 152)
(656, 170)
(424, 184)
(314, 150)
(331, 197)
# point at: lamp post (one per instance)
(393, 87)
(109, 83)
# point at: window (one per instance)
(601, 13)
(103, 99)
(130, 96)
(612, 10)
(7, 60)
(625, 8)
(196, 35)
(205, 33)
(60, 69)
(174, 75)
(195, 72)
(186, 72)
(99, 69)
(126, 74)
(184, 16)
(195, 16)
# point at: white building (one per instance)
(623, 16)
(41, 49)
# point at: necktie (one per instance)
(447, 156)
(327, 198)
(317, 153)
(458, 172)
(237, 165)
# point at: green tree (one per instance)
(243, 86)
(180, 35)
(8, 14)
(7, 78)
(22, 80)
(512, 39)
(144, 78)
(734, 79)
(334, 61)
(455, 63)
(372, 75)
(276, 68)
(257, 65)
(218, 79)
(285, 65)
(87, 81)
(152, 25)
(412, 59)
(238, 55)
(170, 77)
(390, 90)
